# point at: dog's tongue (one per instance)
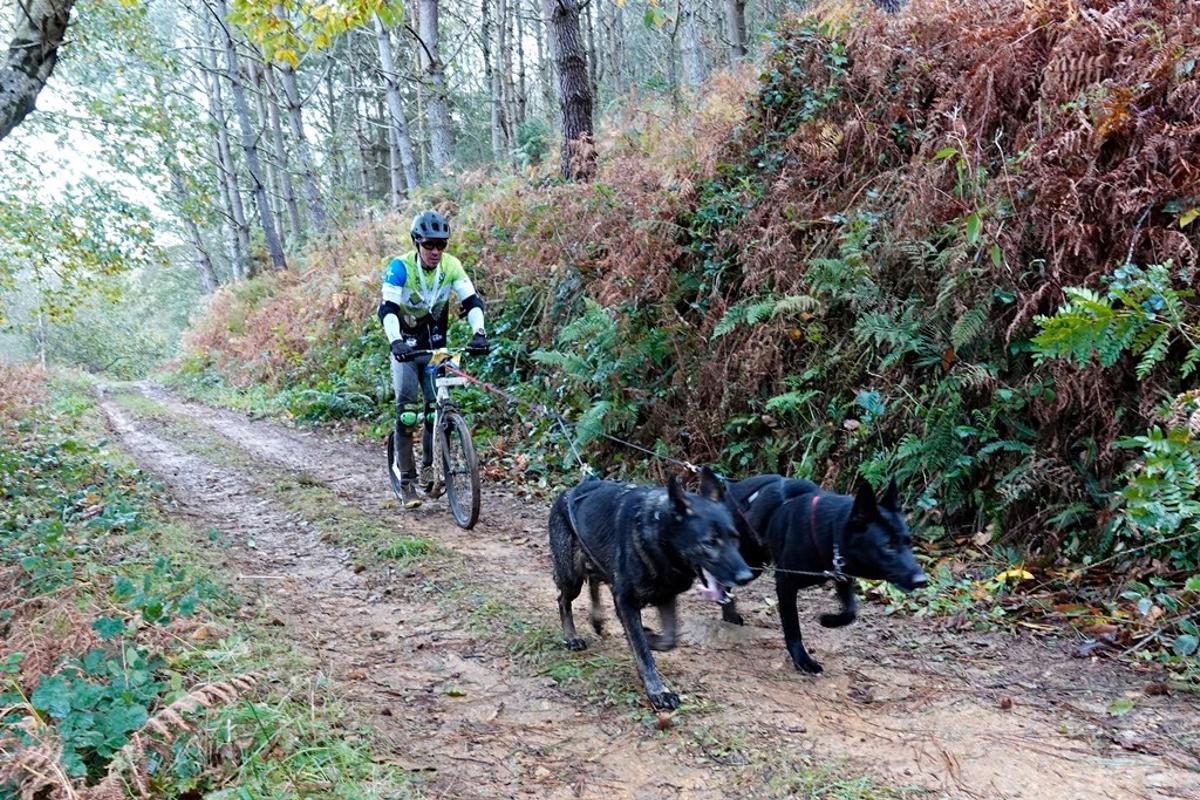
(712, 588)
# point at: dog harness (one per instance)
(571, 500)
(837, 561)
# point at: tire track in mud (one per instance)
(900, 699)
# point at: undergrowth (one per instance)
(953, 245)
(125, 667)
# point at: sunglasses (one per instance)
(434, 244)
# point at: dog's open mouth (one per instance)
(711, 588)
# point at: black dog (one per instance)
(648, 544)
(805, 532)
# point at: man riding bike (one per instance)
(414, 312)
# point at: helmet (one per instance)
(429, 224)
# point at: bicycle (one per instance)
(455, 466)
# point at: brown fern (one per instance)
(128, 764)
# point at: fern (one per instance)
(756, 310)
(968, 327)
(791, 402)
(591, 425)
(1154, 354)
(1161, 500)
(1142, 314)
(1190, 362)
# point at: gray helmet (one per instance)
(429, 224)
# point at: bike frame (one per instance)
(452, 460)
(435, 371)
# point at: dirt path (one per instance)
(901, 702)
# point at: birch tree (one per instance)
(249, 147)
(39, 28)
(401, 145)
(735, 29)
(693, 53)
(490, 82)
(231, 194)
(441, 141)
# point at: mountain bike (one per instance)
(455, 467)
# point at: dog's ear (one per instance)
(678, 498)
(864, 502)
(891, 496)
(712, 486)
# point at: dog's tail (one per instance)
(562, 539)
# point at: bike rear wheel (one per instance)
(460, 470)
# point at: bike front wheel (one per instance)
(460, 469)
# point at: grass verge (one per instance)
(130, 664)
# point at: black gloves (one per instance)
(478, 346)
(401, 350)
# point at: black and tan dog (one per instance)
(811, 535)
(648, 543)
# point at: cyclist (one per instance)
(414, 311)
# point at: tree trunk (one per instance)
(574, 89)
(611, 43)
(522, 89)
(673, 57)
(441, 142)
(545, 67)
(593, 68)
(289, 191)
(735, 29)
(362, 141)
(489, 80)
(204, 266)
(233, 244)
(274, 248)
(208, 276)
(291, 93)
(693, 54)
(231, 192)
(38, 31)
(333, 148)
(397, 125)
(504, 51)
(274, 154)
(384, 146)
(422, 137)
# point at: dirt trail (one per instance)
(901, 701)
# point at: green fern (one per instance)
(791, 402)
(756, 310)
(1161, 500)
(968, 327)
(1141, 314)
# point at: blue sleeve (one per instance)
(396, 274)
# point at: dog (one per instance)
(648, 543)
(804, 531)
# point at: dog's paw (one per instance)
(730, 614)
(809, 666)
(664, 701)
(598, 626)
(836, 620)
(575, 644)
(659, 643)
